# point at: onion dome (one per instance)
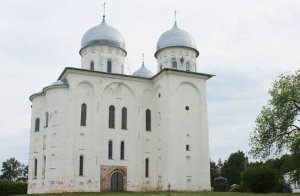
(103, 34)
(143, 72)
(176, 37)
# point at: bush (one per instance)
(259, 179)
(235, 188)
(12, 188)
(283, 187)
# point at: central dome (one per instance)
(143, 72)
(103, 34)
(176, 37)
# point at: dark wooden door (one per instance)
(117, 182)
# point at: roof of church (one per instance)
(57, 84)
(103, 34)
(124, 75)
(176, 37)
(62, 82)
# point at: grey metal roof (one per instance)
(61, 83)
(176, 37)
(143, 72)
(103, 34)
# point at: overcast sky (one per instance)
(245, 43)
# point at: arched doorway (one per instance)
(117, 182)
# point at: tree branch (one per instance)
(296, 104)
(296, 127)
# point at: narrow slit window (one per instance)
(81, 165)
(147, 168)
(110, 149)
(83, 115)
(188, 66)
(35, 168)
(92, 66)
(174, 64)
(187, 147)
(124, 118)
(37, 125)
(148, 120)
(122, 150)
(109, 66)
(46, 119)
(111, 117)
(44, 168)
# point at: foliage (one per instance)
(283, 187)
(283, 164)
(277, 126)
(215, 171)
(259, 179)
(12, 188)
(235, 188)
(233, 167)
(12, 170)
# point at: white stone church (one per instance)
(98, 129)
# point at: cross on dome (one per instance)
(103, 11)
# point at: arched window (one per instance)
(111, 117)
(124, 118)
(174, 64)
(148, 120)
(44, 168)
(83, 115)
(188, 68)
(35, 168)
(110, 149)
(46, 119)
(37, 125)
(92, 65)
(122, 150)
(81, 165)
(147, 168)
(109, 66)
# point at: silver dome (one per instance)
(143, 72)
(103, 34)
(176, 37)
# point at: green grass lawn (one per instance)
(177, 193)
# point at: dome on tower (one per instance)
(176, 37)
(103, 34)
(143, 72)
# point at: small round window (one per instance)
(187, 108)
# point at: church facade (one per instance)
(98, 129)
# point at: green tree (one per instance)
(259, 178)
(12, 170)
(232, 168)
(277, 126)
(214, 171)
